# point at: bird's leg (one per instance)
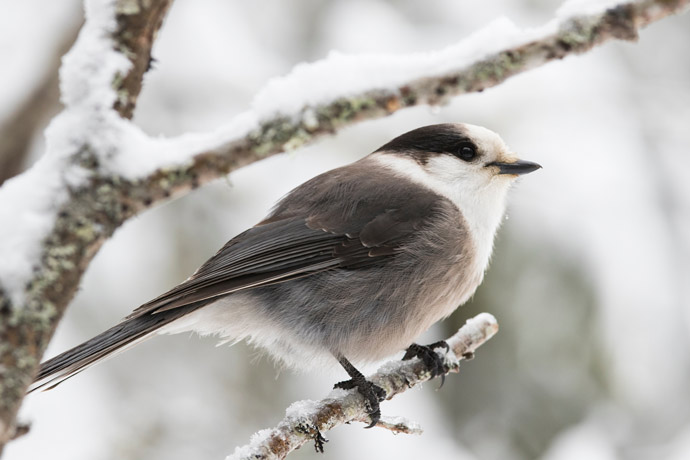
(373, 394)
(430, 358)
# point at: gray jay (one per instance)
(352, 265)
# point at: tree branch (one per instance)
(307, 420)
(138, 23)
(28, 320)
(100, 170)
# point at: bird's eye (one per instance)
(467, 152)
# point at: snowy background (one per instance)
(590, 279)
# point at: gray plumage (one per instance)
(354, 263)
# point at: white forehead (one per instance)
(487, 140)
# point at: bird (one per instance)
(350, 266)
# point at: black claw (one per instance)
(440, 344)
(372, 393)
(430, 358)
(319, 441)
(375, 417)
(313, 432)
(345, 385)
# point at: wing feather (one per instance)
(315, 228)
(281, 251)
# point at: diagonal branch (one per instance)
(29, 317)
(101, 170)
(138, 23)
(307, 420)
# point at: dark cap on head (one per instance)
(421, 143)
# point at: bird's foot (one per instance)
(372, 393)
(314, 433)
(319, 441)
(430, 358)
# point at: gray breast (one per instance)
(369, 313)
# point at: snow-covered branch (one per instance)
(307, 420)
(48, 233)
(100, 169)
(138, 23)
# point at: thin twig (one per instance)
(307, 420)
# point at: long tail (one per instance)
(121, 337)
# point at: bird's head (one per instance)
(467, 164)
(465, 156)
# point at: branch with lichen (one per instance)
(26, 325)
(306, 421)
(91, 199)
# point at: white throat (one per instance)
(482, 202)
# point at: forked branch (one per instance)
(101, 170)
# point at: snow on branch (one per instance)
(307, 420)
(100, 169)
(47, 238)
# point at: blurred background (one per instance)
(590, 278)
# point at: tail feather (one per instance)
(105, 345)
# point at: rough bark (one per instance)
(26, 329)
(138, 23)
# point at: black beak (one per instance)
(519, 167)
